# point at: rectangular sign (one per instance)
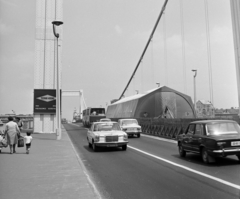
(44, 101)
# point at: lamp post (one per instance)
(194, 84)
(158, 84)
(58, 129)
(137, 91)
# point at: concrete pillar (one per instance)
(45, 57)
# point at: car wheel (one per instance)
(139, 135)
(205, 156)
(238, 157)
(89, 145)
(94, 147)
(124, 147)
(182, 152)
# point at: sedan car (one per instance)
(105, 120)
(210, 139)
(130, 126)
(106, 134)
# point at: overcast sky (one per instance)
(102, 43)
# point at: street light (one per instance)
(194, 83)
(158, 84)
(58, 129)
(137, 91)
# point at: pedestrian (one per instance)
(1, 138)
(12, 132)
(19, 122)
(28, 140)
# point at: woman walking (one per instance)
(12, 131)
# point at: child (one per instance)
(28, 139)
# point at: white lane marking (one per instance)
(186, 168)
(158, 138)
(84, 168)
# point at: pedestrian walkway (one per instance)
(51, 170)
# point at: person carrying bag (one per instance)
(20, 141)
(3, 142)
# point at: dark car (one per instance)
(210, 139)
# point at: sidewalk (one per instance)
(51, 170)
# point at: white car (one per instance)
(105, 120)
(106, 134)
(130, 126)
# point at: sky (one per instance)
(102, 43)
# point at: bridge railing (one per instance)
(170, 128)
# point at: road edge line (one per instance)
(84, 169)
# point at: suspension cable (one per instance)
(143, 53)
(165, 49)
(152, 63)
(208, 51)
(183, 46)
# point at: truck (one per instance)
(91, 115)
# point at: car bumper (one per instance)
(133, 133)
(110, 144)
(225, 152)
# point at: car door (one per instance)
(197, 137)
(187, 139)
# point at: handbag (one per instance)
(4, 142)
(20, 142)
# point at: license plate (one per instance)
(235, 143)
(112, 145)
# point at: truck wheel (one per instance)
(181, 151)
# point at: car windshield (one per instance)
(223, 128)
(105, 120)
(107, 127)
(129, 122)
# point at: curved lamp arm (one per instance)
(195, 72)
(57, 23)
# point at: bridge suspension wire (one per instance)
(152, 62)
(143, 53)
(142, 80)
(84, 101)
(208, 51)
(165, 48)
(183, 47)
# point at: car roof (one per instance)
(128, 119)
(212, 121)
(104, 122)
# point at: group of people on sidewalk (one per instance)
(12, 134)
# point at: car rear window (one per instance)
(107, 127)
(223, 128)
(128, 122)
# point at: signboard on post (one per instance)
(45, 101)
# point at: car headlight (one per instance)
(221, 143)
(96, 139)
(125, 137)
